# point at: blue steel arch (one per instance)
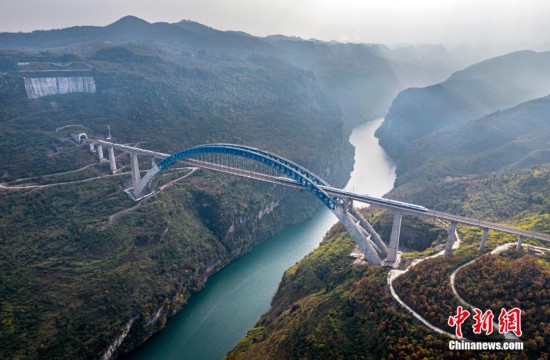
(309, 174)
(302, 176)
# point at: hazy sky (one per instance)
(371, 21)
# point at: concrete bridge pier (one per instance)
(357, 235)
(367, 227)
(91, 146)
(100, 152)
(394, 238)
(520, 241)
(483, 239)
(450, 240)
(135, 170)
(112, 160)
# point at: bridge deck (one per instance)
(129, 149)
(410, 209)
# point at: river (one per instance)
(234, 298)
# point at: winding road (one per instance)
(394, 274)
(23, 187)
(496, 251)
(112, 218)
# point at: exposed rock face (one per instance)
(115, 345)
(39, 87)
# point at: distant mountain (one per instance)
(360, 78)
(478, 90)
(129, 23)
(196, 27)
(363, 79)
(502, 141)
(130, 29)
(421, 65)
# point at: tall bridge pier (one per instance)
(112, 160)
(394, 237)
(396, 234)
(483, 239)
(520, 242)
(136, 177)
(100, 152)
(131, 151)
(450, 239)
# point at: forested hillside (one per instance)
(512, 195)
(520, 277)
(327, 307)
(506, 140)
(325, 288)
(172, 103)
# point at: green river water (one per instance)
(234, 298)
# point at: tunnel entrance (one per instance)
(79, 137)
(82, 137)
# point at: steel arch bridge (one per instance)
(299, 174)
(339, 201)
(302, 176)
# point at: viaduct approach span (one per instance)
(252, 163)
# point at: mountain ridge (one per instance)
(505, 140)
(477, 90)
